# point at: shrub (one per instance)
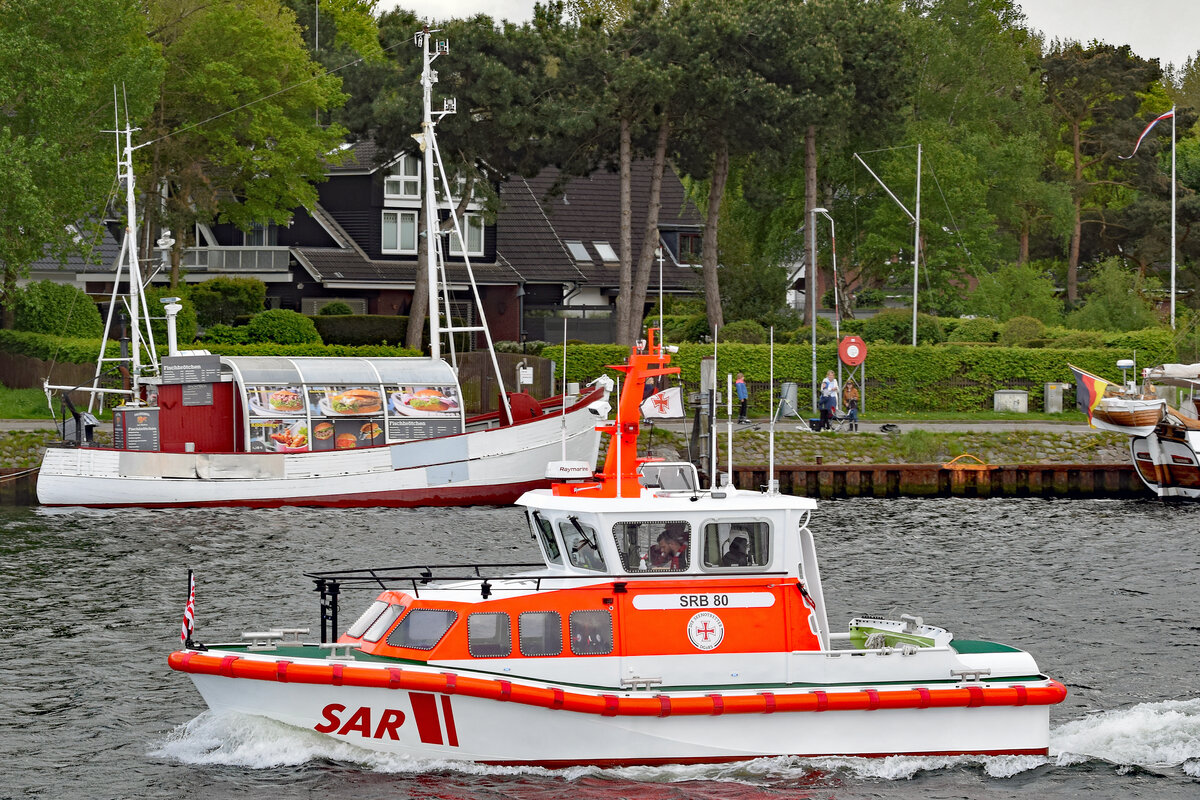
(894, 325)
(869, 298)
(746, 331)
(1022, 331)
(356, 329)
(1077, 340)
(59, 309)
(1117, 299)
(282, 326)
(1016, 290)
(226, 334)
(979, 329)
(334, 309)
(219, 301)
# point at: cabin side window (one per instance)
(653, 546)
(544, 533)
(489, 635)
(731, 545)
(581, 543)
(591, 633)
(422, 629)
(540, 633)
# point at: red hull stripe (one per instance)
(431, 683)
(429, 727)
(448, 713)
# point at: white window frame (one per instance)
(399, 216)
(403, 181)
(472, 225)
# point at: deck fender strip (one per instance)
(872, 699)
(976, 693)
(611, 706)
(924, 693)
(664, 706)
(718, 705)
(822, 700)
(1022, 695)
(281, 669)
(559, 698)
(768, 702)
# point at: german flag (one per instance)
(1088, 391)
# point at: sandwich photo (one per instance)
(286, 400)
(356, 401)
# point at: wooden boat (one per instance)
(666, 623)
(200, 429)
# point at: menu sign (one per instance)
(191, 369)
(197, 394)
(404, 429)
(135, 428)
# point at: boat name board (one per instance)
(660, 602)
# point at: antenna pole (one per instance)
(428, 77)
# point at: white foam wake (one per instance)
(1151, 735)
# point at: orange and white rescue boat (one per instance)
(667, 624)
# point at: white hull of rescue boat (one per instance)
(478, 730)
(1168, 464)
(493, 466)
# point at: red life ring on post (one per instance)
(852, 351)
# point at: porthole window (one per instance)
(422, 628)
(489, 635)
(380, 626)
(540, 633)
(368, 616)
(591, 633)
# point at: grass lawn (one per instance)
(23, 404)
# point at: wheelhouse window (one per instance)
(404, 180)
(581, 543)
(489, 635)
(381, 625)
(370, 615)
(544, 532)
(732, 545)
(399, 232)
(422, 629)
(540, 633)
(472, 225)
(652, 546)
(591, 633)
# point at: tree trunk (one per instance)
(811, 273)
(708, 255)
(625, 311)
(650, 239)
(1023, 254)
(420, 301)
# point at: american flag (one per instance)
(189, 611)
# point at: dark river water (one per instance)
(1105, 594)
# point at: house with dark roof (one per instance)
(550, 252)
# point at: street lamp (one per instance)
(810, 291)
(837, 308)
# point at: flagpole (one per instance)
(1172, 217)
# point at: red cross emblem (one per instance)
(661, 402)
(705, 631)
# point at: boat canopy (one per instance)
(1186, 376)
(323, 370)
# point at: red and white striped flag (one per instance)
(1158, 119)
(189, 611)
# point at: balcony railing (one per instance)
(236, 259)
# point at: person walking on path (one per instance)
(829, 399)
(743, 395)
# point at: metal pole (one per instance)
(916, 245)
(810, 291)
(837, 308)
(431, 226)
(1172, 217)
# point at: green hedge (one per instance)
(900, 378)
(357, 329)
(83, 351)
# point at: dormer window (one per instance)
(472, 227)
(404, 180)
(605, 250)
(578, 251)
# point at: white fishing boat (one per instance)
(201, 429)
(666, 623)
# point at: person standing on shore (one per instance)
(829, 399)
(850, 397)
(743, 396)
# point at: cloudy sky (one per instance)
(1168, 30)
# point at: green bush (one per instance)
(746, 331)
(336, 308)
(59, 309)
(282, 326)
(357, 329)
(869, 298)
(894, 325)
(1075, 340)
(1022, 331)
(185, 320)
(333, 350)
(979, 329)
(219, 301)
(225, 334)
(682, 327)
